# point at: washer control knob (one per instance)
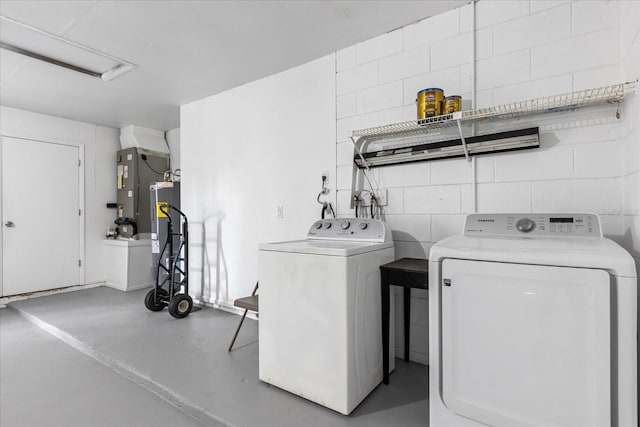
(318, 225)
(345, 225)
(363, 225)
(525, 225)
(327, 224)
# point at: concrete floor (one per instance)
(98, 357)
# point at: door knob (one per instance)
(9, 224)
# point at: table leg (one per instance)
(384, 294)
(407, 321)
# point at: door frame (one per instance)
(81, 196)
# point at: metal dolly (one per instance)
(173, 291)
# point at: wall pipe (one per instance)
(474, 167)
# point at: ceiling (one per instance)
(184, 50)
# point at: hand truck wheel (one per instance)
(180, 306)
(154, 303)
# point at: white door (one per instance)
(526, 345)
(40, 216)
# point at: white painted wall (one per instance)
(630, 130)
(243, 153)
(524, 49)
(239, 165)
(100, 145)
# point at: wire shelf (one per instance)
(550, 104)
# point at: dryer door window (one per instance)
(526, 345)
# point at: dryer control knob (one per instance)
(318, 225)
(363, 225)
(327, 224)
(345, 225)
(525, 225)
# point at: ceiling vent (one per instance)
(139, 137)
(47, 47)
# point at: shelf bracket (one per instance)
(358, 148)
(464, 143)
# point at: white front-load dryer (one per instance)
(533, 322)
(320, 311)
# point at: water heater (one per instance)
(162, 195)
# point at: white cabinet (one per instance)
(128, 264)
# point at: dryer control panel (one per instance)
(534, 224)
(359, 229)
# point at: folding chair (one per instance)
(248, 303)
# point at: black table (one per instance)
(409, 273)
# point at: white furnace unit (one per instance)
(320, 315)
(533, 321)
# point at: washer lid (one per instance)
(325, 247)
(581, 252)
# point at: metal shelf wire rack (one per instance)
(424, 129)
(549, 104)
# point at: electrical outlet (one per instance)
(279, 212)
(325, 182)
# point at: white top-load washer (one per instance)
(533, 322)
(320, 312)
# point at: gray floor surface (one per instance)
(44, 382)
(98, 357)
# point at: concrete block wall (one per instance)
(523, 50)
(630, 130)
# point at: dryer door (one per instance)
(526, 345)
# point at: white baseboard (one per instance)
(229, 308)
(128, 288)
(9, 299)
